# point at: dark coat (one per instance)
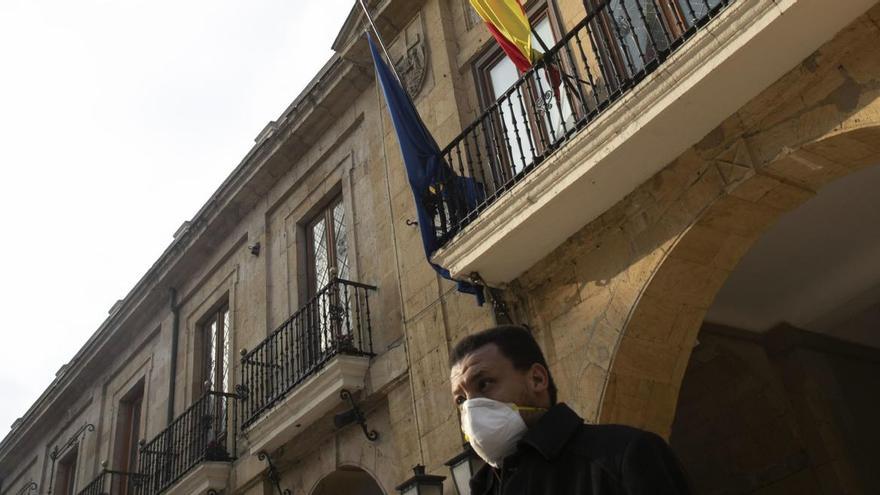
(560, 455)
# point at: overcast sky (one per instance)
(118, 120)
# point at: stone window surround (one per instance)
(222, 293)
(338, 183)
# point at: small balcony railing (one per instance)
(206, 431)
(110, 482)
(604, 56)
(335, 321)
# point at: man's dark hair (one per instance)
(515, 343)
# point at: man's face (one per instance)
(487, 373)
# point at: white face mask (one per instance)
(493, 428)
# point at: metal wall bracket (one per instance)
(499, 306)
(57, 451)
(358, 416)
(31, 487)
(273, 475)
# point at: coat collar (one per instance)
(552, 431)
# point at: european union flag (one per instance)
(425, 167)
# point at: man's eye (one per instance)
(483, 384)
(459, 400)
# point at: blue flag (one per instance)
(429, 176)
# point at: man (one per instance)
(534, 445)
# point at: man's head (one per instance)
(503, 363)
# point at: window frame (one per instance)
(65, 472)
(220, 314)
(491, 55)
(674, 21)
(129, 425)
(324, 212)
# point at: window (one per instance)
(214, 375)
(633, 33)
(536, 113)
(128, 427)
(327, 250)
(215, 378)
(65, 479)
(327, 259)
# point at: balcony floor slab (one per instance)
(308, 402)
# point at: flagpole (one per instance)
(381, 43)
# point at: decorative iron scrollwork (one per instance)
(58, 451)
(30, 487)
(242, 391)
(372, 435)
(545, 104)
(272, 473)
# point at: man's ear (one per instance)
(538, 378)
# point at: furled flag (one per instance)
(509, 25)
(429, 176)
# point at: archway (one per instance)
(655, 347)
(348, 480)
(780, 388)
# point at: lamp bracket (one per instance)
(57, 451)
(372, 435)
(272, 474)
(30, 487)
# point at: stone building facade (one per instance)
(299, 295)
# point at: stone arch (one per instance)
(764, 176)
(349, 480)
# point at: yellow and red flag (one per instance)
(509, 24)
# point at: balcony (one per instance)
(627, 90)
(113, 482)
(193, 454)
(295, 375)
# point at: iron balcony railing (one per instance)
(206, 431)
(335, 321)
(604, 56)
(110, 482)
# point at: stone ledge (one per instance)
(308, 402)
(204, 477)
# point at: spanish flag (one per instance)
(508, 23)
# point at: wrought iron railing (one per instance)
(110, 482)
(335, 321)
(206, 431)
(617, 45)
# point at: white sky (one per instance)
(118, 120)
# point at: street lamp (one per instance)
(421, 483)
(463, 466)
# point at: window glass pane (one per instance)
(341, 244)
(556, 105)
(638, 26)
(320, 263)
(210, 355)
(502, 76)
(696, 9)
(224, 371)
